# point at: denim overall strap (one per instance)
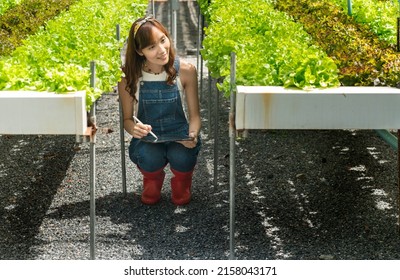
(160, 105)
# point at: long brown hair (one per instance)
(140, 36)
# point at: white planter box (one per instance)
(271, 107)
(28, 112)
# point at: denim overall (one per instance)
(160, 106)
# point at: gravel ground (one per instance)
(303, 195)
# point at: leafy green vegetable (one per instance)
(8, 4)
(271, 49)
(362, 57)
(22, 20)
(380, 16)
(57, 58)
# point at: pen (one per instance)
(138, 121)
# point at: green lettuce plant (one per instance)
(57, 58)
(362, 57)
(24, 19)
(7, 4)
(380, 16)
(271, 48)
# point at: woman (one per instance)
(159, 96)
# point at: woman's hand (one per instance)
(189, 81)
(141, 130)
(190, 144)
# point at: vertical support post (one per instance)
(199, 32)
(117, 32)
(216, 138)
(201, 79)
(174, 8)
(349, 7)
(198, 38)
(170, 18)
(122, 143)
(121, 132)
(398, 179)
(92, 168)
(209, 103)
(232, 179)
(153, 9)
(398, 34)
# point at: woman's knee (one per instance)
(182, 158)
(149, 157)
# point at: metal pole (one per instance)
(199, 26)
(153, 9)
(122, 143)
(175, 8)
(388, 137)
(209, 103)
(201, 79)
(121, 132)
(232, 179)
(170, 18)
(201, 45)
(349, 7)
(398, 180)
(216, 138)
(198, 53)
(398, 34)
(92, 168)
(118, 32)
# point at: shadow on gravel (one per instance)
(31, 170)
(161, 231)
(317, 194)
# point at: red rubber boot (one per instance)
(152, 185)
(181, 184)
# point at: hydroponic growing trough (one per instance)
(38, 113)
(274, 107)
(27, 112)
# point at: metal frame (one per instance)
(92, 137)
(232, 164)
